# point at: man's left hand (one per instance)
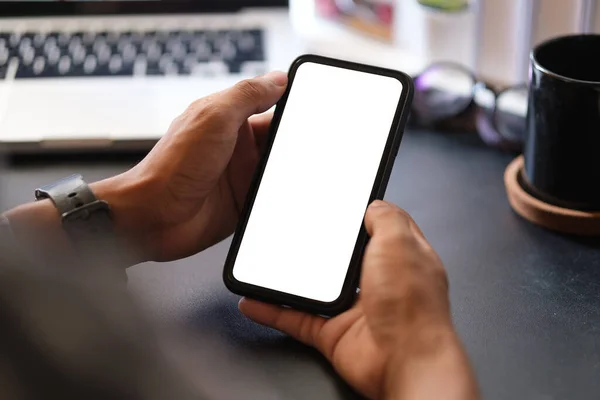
(188, 193)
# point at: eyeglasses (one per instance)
(444, 91)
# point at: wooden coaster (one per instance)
(549, 216)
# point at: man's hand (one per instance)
(398, 341)
(187, 194)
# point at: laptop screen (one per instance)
(100, 7)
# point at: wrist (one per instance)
(134, 220)
(430, 364)
(37, 229)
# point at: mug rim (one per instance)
(536, 64)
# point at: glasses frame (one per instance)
(500, 140)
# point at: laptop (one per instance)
(114, 74)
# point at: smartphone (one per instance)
(332, 143)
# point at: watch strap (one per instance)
(86, 220)
(67, 194)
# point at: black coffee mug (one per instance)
(562, 150)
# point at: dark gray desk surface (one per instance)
(525, 301)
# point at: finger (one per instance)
(252, 96)
(260, 126)
(261, 122)
(301, 326)
(380, 210)
(385, 219)
(242, 165)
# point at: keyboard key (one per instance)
(154, 52)
(4, 55)
(90, 64)
(189, 63)
(38, 40)
(157, 67)
(27, 56)
(179, 52)
(64, 65)
(25, 49)
(228, 51)
(164, 61)
(129, 53)
(171, 43)
(38, 65)
(99, 43)
(103, 54)
(146, 43)
(123, 43)
(63, 39)
(247, 42)
(51, 43)
(202, 50)
(75, 43)
(53, 56)
(79, 55)
(14, 39)
(115, 64)
(25, 43)
(139, 65)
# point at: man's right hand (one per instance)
(398, 341)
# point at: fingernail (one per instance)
(379, 204)
(277, 77)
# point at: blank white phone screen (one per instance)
(316, 186)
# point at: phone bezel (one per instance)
(348, 292)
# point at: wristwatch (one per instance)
(86, 220)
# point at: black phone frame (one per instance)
(349, 289)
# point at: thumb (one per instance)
(387, 220)
(253, 96)
(383, 218)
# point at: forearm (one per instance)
(432, 365)
(39, 232)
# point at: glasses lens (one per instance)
(485, 99)
(442, 91)
(511, 114)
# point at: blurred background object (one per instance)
(446, 5)
(504, 30)
(111, 74)
(492, 37)
(373, 17)
(467, 49)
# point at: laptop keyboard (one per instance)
(157, 53)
